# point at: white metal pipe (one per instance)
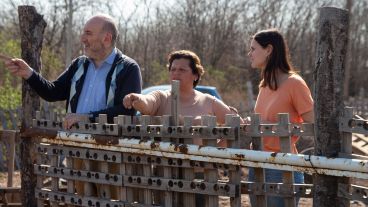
(297, 160)
(176, 155)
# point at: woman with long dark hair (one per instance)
(281, 90)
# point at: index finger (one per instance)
(5, 58)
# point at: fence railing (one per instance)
(147, 161)
(8, 137)
(10, 122)
(129, 141)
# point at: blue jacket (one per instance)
(129, 80)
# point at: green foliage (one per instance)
(230, 82)
(10, 87)
(158, 74)
(52, 65)
(214, 77)
(10, 90)
(10, 96)
(10, 47)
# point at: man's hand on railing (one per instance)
(71, 119)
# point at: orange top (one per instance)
(292, 96)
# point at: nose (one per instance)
(249, 53)
(173, 77)
(173, 74)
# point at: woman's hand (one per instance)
(131, 100)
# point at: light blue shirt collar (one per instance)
(110, 59)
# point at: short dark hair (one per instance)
(195, 62)
(279, 58)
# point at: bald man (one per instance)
(94, 83)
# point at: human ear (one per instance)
(269, 49)
(108, 37)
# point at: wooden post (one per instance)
(54, 163)
(175, 113)
(234, 175)
(39, 179)
(166, 119)
(189, 198)
(147, 168)
(103, 167)
(210, 175)
(11, 153)
(348, 6)
(70, 183)
(32, 26)
(175, 101)
(122, 196)
(285, 145)
(259, 173)
(127, 120)
(347, 142)
(328, 93)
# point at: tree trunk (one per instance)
(32, 27)
(349, 4)
(328, 93)
(69, 34)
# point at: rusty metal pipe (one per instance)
(297, 160)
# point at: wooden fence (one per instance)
(8, 137)
(156, 126)
(101, 143)
(146, 161)
(9, 151)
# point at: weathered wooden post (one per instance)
(175, 111)
(328, 94)
(32, 26)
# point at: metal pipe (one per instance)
(297, 160)
(177, 155)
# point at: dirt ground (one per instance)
(224, 201)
